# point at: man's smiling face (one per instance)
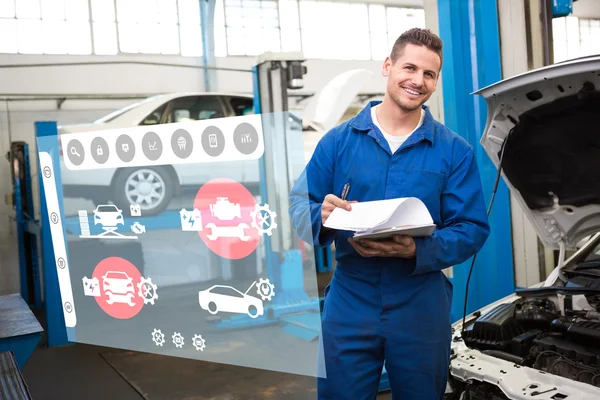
(412, 79)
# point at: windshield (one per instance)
(118, 113)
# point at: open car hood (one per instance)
(547, 123)
(326, 108)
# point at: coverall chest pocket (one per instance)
(426, 185)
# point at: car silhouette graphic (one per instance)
(221, 298)
(118, 286)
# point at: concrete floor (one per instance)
(80, 371)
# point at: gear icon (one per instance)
(158, 337)
(198, 342)
(263, 216)
(147, 290)
(178, 340)
(266, 289)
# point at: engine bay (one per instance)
(554, 330)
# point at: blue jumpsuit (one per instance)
(391, 310)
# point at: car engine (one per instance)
(544, 331)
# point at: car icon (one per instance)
(108, 215)
(118, 286)
(227, 299)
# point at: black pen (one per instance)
(345, 191)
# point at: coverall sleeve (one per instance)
(464, 218)
(307, 194)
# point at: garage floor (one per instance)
(81, 371)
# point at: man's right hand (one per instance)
(330, 202)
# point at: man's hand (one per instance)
(397, 246)
(330, 203)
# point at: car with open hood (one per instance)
(152, 187)
(542, 342)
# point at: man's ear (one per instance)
(387, 65)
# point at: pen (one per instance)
(345, 191)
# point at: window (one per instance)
(194, 108)
(319, 28)
(155, 116)
(242, 105)
(575, 37)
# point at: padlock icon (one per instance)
(99, 150)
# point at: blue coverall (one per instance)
(391, 310)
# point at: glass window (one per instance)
(7, 9)
(155, 116)
(195, 108)
(242, 105)
(103, 10)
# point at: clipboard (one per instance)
(408, 230)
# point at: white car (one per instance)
(543, 342)
(221, 298)
(152, 187)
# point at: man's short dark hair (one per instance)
(419, 37)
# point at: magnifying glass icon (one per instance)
(74, 151)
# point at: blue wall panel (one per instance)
(470, 32)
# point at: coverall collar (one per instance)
(363, 122)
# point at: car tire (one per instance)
(252, 311)
(158, 180)
(212, 307)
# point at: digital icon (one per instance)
(109, 217)
(99, 150)
(68, 307)
(125, 148)
(147, 290)
(152, 146)
(178, 340)
(91, 287)
(54, 218)
(212, 140)
(225, 210)
(138, 228)
(158, 337)
(181, 142)
(75, 152)
(190, 220)
(61, 263)
(135, 210)
(220, 298)
(47, 172)
(263, 219)
(265, 289)
(198, 342)
(245, 138)
(118, 286)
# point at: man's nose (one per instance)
(417, 79)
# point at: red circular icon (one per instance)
(118, 281)
(226, 209)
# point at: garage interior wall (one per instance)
(323, 64)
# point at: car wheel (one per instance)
(253, 311)
(212, 307)
(150, 187)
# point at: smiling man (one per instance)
(389, 301)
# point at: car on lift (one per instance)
(542, 342)
(125, 186)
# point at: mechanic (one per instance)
(389, 301)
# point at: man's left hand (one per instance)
(397, 246)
